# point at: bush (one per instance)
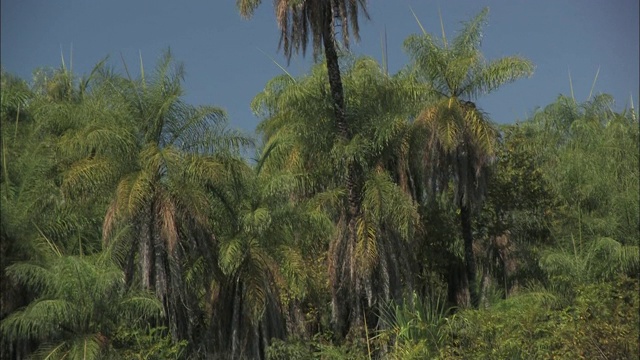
(152, 344)
(602, 322)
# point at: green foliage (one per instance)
(602, 322)
(280, 350)
(147, 344)
(33, 166)
(80, 302)
(416, 328)
(319, 347)
(133, 228)
(590, 158)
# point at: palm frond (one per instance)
(40, 319)
(232, 255)
(470, 37)
(367, 246)
(495, 74)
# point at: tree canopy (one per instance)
(381, 216)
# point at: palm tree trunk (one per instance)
(335, 79)
(160, 278)
(337, 94)
(340, 307)
(146, 254)
(131, 264)
(485, 284)
(469, 258)
(235, 319)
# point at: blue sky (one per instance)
(226, 66)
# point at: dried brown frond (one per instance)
(109, 222)
(336, 250)
(169, 228)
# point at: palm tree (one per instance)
(318, 19)
(81, 301)
(262, 272)
(32, 205)
(374, 265)
(459, 138)
(159, 157)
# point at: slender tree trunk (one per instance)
(335, 79)
(458, 286)
(509, 263)
(339, 279)
(337, 95)
(469, 258)
(131, 264)
(235, 319)
(346, 284)
(485, 284)
(146, 254)
(160, 278)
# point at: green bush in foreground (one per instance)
(602, 322)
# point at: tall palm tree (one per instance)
(318, 19)
(373, 265)
(159, 157)
(460, 139)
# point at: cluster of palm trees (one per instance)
(125, 207)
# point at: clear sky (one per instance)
(225, 64)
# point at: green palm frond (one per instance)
(385, 202)
(133, 191)
(257, 220)
(255, 289)
(199, 168)
(33, 275)
(116, 241)
(98, 139)
(232, 255)
(82, 297)
(327, 200)
(293, 268)
(141, 306)
(88, 174)
(366, 251)
(87, 347)
(287, 183)
(265, 102)
(39, 320)
(470, 37)
(192, 122)
(491, 76)
(615, 257)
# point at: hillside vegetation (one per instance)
(383, 216)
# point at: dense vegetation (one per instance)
(383, 216)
